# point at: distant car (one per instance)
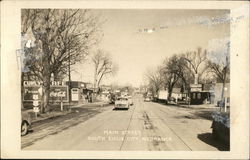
(147, 99)
(171, 100)
(130, 101)
(221, 103)
(122, 103)
(26, 122)
(112, 98)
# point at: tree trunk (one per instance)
(45, 96)
(170, 89)
(99, 81)
(46, 79)
(22, 89)
(95, 77)
(170, 94)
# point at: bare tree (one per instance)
(177, 65)
(155, 80)
(175, 73)
(103, 66)
(196, 62)
(219, 64)
(169, 73)
(62, 38)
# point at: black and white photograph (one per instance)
(128, 79)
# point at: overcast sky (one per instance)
(169, 31)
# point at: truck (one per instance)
(162, 96)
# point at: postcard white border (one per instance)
(10, 80)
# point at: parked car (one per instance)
(221, 103)
(221, 127)
(25, 122)
(171, 100)
(122, 103)
(130, 101)
(147, 99)
(112, 98)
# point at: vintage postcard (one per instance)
(125, 79)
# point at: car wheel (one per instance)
(24, 128)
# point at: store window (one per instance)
(194, 95)
(198, 95)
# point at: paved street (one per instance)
(145, 126)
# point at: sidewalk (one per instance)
(199, 106)
(58, 121)
(58, 113)
(202, 111)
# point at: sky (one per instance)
(141, 39)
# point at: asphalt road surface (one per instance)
(146, 126)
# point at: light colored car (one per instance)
(147, 99)
(122, 103)
(26, 122)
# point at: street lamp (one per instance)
(225, 103)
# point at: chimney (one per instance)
(195, 78)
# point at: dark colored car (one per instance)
(113, 97)
(26, 122)
(171, 100)
(221, 127)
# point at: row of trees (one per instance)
(181, 70)
(60, 39)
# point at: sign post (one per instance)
(61, 104)
(35, 104)
(225, 103)
(188, 98)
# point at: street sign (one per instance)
(35, 97)
(36, 109)
(31, 93)
(195, 85)
(32, 83)
(35, 103)
(196, 89)
(57, 93)
(75, 94)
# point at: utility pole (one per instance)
(69, 84)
